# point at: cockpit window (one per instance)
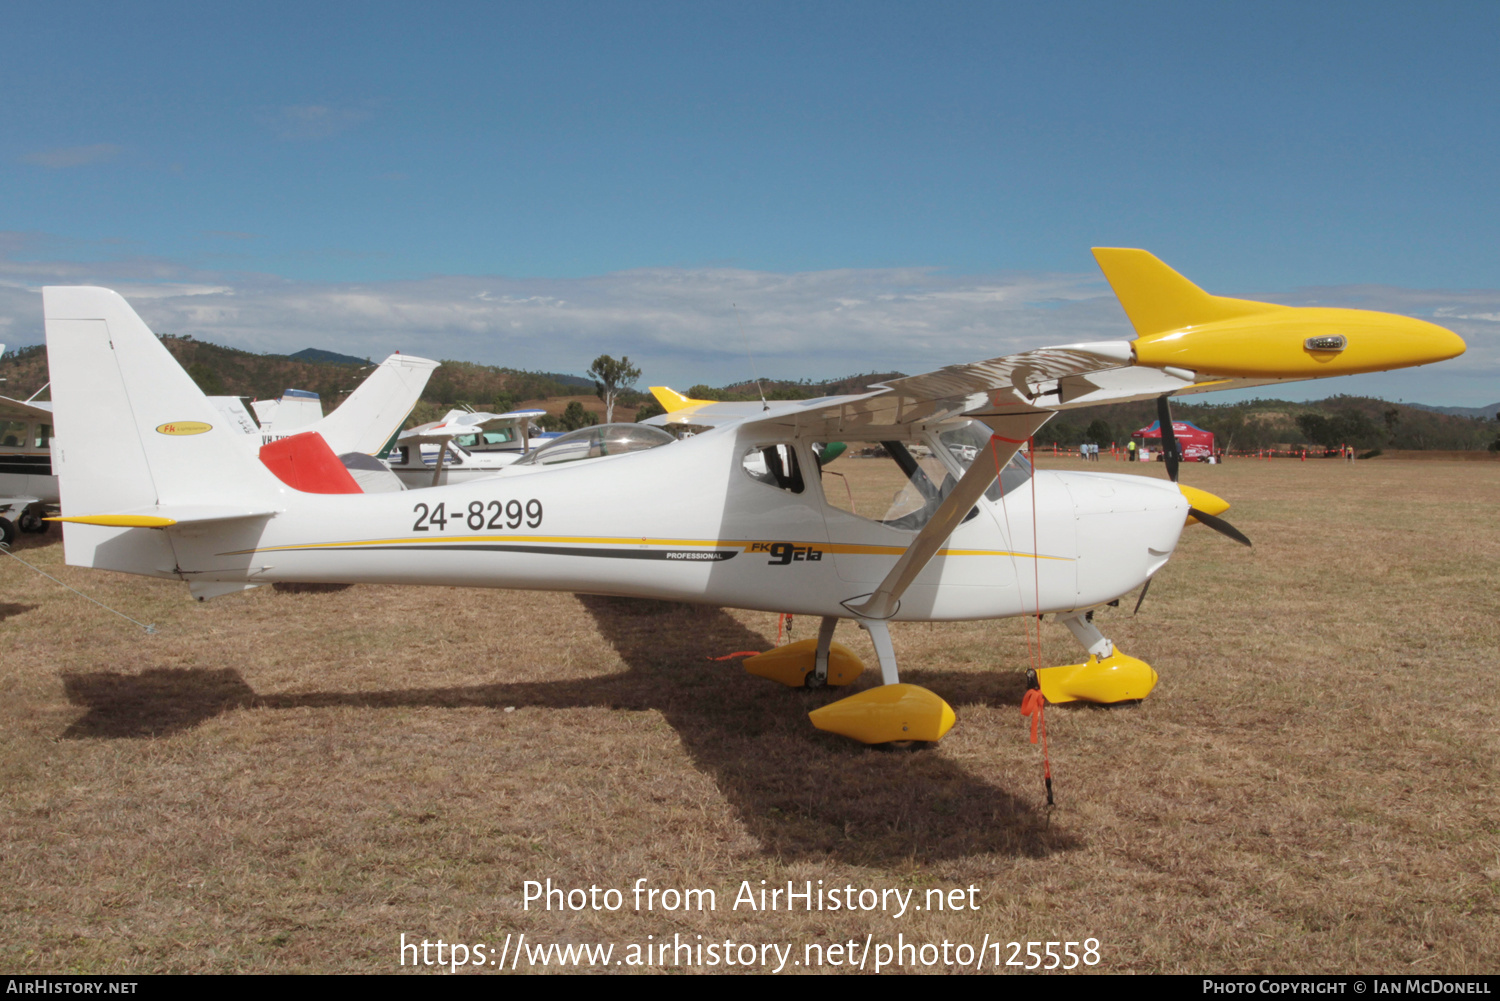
(597, 442)
(897, 483)
(902, 484)
(775, 466)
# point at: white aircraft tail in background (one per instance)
(368, 421)
(293, 411)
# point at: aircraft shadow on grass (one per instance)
(800, 792)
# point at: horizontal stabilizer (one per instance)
(167, 516)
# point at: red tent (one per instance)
(1196, 443)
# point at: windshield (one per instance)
(967, 442)
(597, 442)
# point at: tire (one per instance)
(7, 531)
(31, 521)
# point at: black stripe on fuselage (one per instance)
(667, 555)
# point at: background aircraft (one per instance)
(367, 421)
(463, 446)
(27, 485)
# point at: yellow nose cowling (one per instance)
(1203, 501)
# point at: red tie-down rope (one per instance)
(1033, 702)
(783, 621)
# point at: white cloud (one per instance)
(313, 121)
(73, 156)
(133, 291)
(1452, 313)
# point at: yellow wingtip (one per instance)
(1181, 326)
(1158, 299)
(673, 401)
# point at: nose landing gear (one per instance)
(1109, 675)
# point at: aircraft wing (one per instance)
(16, 410)
(1043, 379)
(458, 422)
(1188, 342)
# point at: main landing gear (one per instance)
(889, 713)
(897, 713)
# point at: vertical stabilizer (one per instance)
(374, 412)
(133, 431)
(297, 410)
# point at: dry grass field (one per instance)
(288, 782)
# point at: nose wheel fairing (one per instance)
(1109, 674)
(1116, 678)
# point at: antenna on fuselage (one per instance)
(751, 358)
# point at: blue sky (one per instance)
(869, 185)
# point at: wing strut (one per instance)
(1010, 432)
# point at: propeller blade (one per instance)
(1142, 598)
(1219, 525)
(1168, 436)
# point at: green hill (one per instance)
(222, 371)
(327, 357)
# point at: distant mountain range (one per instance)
(1487, 413)
(327, 357)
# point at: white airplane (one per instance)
(289, 413)
(738, 515)
(27, 484)
(463, 446)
